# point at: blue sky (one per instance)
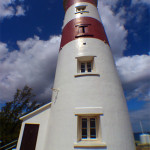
(30, 34)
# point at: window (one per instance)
(89, 66)
(81, 9)
(88, 128)
(29, 138)
(83, 30)
(86, 66)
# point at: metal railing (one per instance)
(9, 146)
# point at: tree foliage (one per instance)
(22, 104)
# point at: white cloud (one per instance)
(20, 11)
(113, 3)
(135, 75)
(3, 51)
(9, 9)
(141, 1)
(114, 27)
(5, 9)
(33, 65)
(134, 71)
(109, 2)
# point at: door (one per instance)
(29, 137)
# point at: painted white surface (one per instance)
(88, 91)
(70, 13)
(40, 118)
(91, 149)
(145, 138)
(88, 110)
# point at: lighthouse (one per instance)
(88, 109)
(88, 105)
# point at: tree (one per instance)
(22, 104)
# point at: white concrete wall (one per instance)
(91, 149)
(88, 91)
(41, 119)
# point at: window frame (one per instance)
(91, 112)
(85, 59)
(83, 30)
(79, 128)
(85, 66)
(80, 9)
(29, 136)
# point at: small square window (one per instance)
(81, 9)
(83, 30)
(86, 66)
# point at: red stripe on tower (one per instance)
(84, 27)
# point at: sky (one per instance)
(30, 35)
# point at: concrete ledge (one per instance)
(36, 111)
(88, 111)
(90, 144)
(86, 74)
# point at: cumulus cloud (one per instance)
(114, 27)
(134, 70)
(135, 75)
(8, 8)
(141, 1)
(33, 64)
(20, 11)
(5, 9)
(133, 2)
(109, 2)
(3, 51)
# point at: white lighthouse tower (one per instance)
(88, 106)
(88, 109)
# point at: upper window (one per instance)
(82, 30)
(81, 9)
(86, 66)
